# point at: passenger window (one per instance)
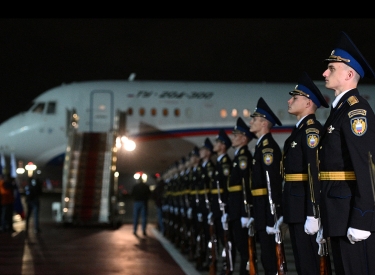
(38, 108)
(51, 107)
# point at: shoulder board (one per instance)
(265, 142)
(352, 100)
(310, 121)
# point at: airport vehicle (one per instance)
(165, 119)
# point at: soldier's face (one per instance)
(297, 104)
(238, 139)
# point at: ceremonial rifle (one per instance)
(200, 235)
(280, 253)
(227, 251)
(324, 261)
(252, 263)
(212, 244)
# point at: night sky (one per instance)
(39, 54)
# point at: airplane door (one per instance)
(101, 111)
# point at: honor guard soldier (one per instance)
(239, 196)
(346, 151)
(267, 158)
(180, 203)
(194, 176)
(219, 192)
(204, 191)
(300, 206)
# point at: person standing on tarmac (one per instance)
(267, 158)
(300, 169)
(141, 193)
(33, 191)
(237, 217)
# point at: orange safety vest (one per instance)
(7, 196)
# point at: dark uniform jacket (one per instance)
(241, 168)
(219, 184)
(204, 191)
(267, 157)
(347, 198)
(195, 177)
(300, 150)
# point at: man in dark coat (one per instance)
(300, 169)
(239, 193)
(267, 158)
(346, 150)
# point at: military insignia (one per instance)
(254, 161)
(265, 142)
(293, 144)
(243, 164)
(210, 174)
(225, 159)
(352, 100)
(330, 129)
(359, 126)
(268, 159)
(310, 121)
(357, 112)
(226, 171)
(312, 140)
(242, 151)
(312, 130)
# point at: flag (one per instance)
(2, 164)
(13, 166)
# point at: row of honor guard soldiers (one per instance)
(208, 205)
(215, 211)
(212, 208)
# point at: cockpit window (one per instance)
(51, 107)
(38, 108)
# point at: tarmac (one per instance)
(98, 249)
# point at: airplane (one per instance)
(165, 119)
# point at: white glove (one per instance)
(279, 223)
(224, 221)
(224, 218)
(319, 236)
(312, 225)
(357, 235)
(272, 230)
(190, 213)
(200, 217)
(209, 217)
(244, 222)
(250, 222)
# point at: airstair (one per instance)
(90, 188)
